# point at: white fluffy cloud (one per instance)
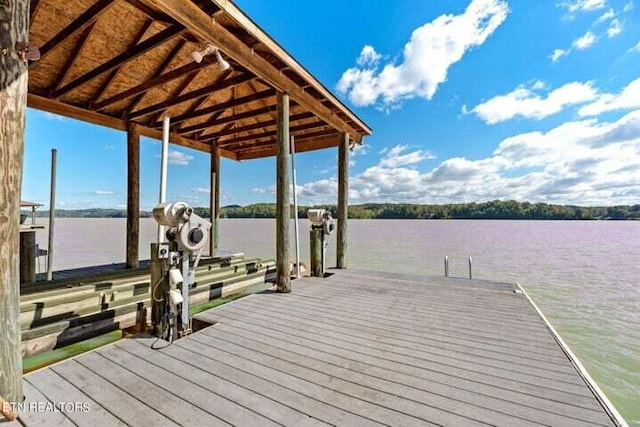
(635, 48)
(104, 192)
(558, 53)
(584, 42)
(583, 5)
(202, 190)
(584, 162)
(179, 158)
(628, 98)
(426, 58)
(526, 102)
(615, 28)
(609, 14)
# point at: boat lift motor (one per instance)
(322, 226)
(186, 235)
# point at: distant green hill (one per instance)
(496, 209)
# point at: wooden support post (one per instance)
(315, 252)
(14, 27)
(27, 256)
(343, 201)
(283, 275)
(133, 196)
(214, 201)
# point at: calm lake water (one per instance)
(583, 275)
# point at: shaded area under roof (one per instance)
(114, 62)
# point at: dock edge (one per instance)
(593, 386)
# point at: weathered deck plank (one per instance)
(358, 348)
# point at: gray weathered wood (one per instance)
(315, 241)
(133, 196)
(283, 198)
(14, 27)
(115, 400)
(343, 201)
(33, 396)
(214, 201)
(350, 349)
(57, 389)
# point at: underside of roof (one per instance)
(114, 62)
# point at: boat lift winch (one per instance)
(322, 226)
(186, 235)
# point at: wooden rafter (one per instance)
(316, 141)
(67, 110)
(223, 106)
(219, 84)
(153, 120)
(188, 14)
(114, 73)
(80, 23)
(73, 55)
(259, 125)
(158, 71)
(149, 12)
(157, 81)
(233, 118)
(123, 58)
(33, 9)
(203, 99)
(229, 143)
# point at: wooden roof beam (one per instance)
(198, 22)
(256, 32)
(219, 84)
(67, 110)
(123, 58)
(114, 73)
(233, 118)
(222, 106)
(149, 12)
(175, 92)
(258, 125)
(227, 144)
(33, 9)
(72, 57)
(80, 23)
(161, 69)
(191, 67)
(317, 142)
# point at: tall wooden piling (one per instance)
(343, 201)
(283, 278)
(214, 201)
(133, 196)
(14, 28)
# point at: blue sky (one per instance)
(469, 100)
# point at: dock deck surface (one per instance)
(355, 349)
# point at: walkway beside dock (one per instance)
(355, 349)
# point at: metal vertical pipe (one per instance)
(295, 205)
(52, 214)
(446, 266)
(164, 160)
(470, 268)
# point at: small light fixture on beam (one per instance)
(198, 56)
(25, 51)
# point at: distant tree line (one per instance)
(496, 209)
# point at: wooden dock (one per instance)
(354, 349)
